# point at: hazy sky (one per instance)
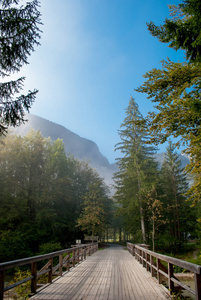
(93, 55)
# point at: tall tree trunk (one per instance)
(141, 211)
(124, 235)
(153, 233)
(114, 235)
(177, 211)
(119, 234)
(142, 225)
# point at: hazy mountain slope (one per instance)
(81, 148)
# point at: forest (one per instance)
(46, 197)
(49, 199)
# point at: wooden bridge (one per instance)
(112, 273)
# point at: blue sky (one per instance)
(93, 55)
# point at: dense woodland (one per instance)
(48, 199)
(43, 195)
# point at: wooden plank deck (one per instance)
(110, 274)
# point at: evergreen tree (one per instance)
(19, 33)
(183, 30)
(178, 212)
(175, 89)
(137, 169)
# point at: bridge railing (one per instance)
(66, 258)
(152, 261)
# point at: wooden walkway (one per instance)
(110, 274)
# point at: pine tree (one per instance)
(19, 33)
(136, 168)
(183, 30)
(174, 185)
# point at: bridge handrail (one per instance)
(78, 254)
(146, 258)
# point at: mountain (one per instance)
(81, 148)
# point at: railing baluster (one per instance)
(147, 260)
(170, 274)
(2, 278)
(73, 258)
(34, 279)
(132, 250)
(152, 264)
(68, 262)
(60, 264)
(50, 272)
(197, 285)
(158, 270)
(81, 254)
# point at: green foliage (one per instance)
(13, 244)
(19, 33)
(175, 89)
(93, 218)
(22, 291)
(41, 192)
(137, 171)
(183, 30)
(177, 217)
(49, 248)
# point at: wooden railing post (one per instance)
(147, 260)
(81, 254)
(170, 274)
(34, 279)
(197, 285)
(2, 278)
(137, 252)
(68, 262)
(60, 264)
(152, 264)
(50, 271)
(73, 258)
(158, 270)
(143, 259)
(132, 251)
